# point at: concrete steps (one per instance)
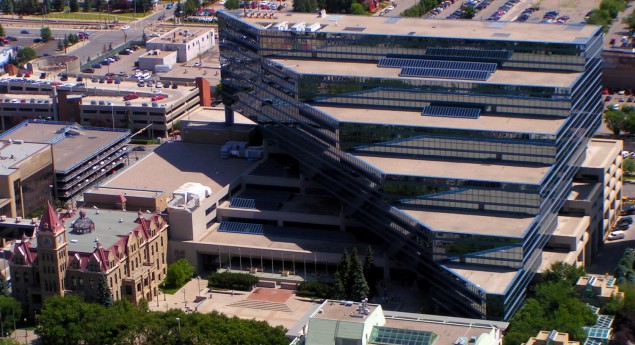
(288, 307)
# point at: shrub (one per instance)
(229, 280)
(179, 272)
(315, 290)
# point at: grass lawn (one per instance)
(169, 291)
(96, 16)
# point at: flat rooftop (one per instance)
(491, 279)
(12, 154)
(472, 30)
(456, 170)
(341, 312)
(447, 330)
(68, 150)
(176, 163)
(331, 242)
(601, 152)
(581, 191)
(179, 34)
(464, 223)
(572, 226)
(414, 118)
(153, 54)
(205, 115)
(110, 225)
(359, 69)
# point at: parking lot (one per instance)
(574, 11)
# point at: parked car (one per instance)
(95, 65)
(130, 96)
(88, 70)
(616, 235)
(24, 32)
(629, 220)
(37, 40)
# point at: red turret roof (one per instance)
(50, 221)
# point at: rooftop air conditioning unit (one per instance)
(33, 220)
(3, 218)
(18, 219)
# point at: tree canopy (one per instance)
(45, 33)
(555, 306)
(71, 321)
(2, 33)
(232, 4)
(179, 273)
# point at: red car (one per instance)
(110, 81)
(157, 98)
(130, 96)
(605, 91)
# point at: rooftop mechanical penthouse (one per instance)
(454, 141)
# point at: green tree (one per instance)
(468, 12)
(359, 285)
(342, 273)
(104, 296)
(46, 6)
(4, 287)
(57, 5)
(554, 307)
(25, 54)
(190, 7)
(46, 34)
(357, 8)
(178, 10)
(232, 4)
(629, 166)
(615, 120)
(179, 273)
(86, 6)
(630, 20)
(370, 271)
(307, 6)
(339, 292)
(560, 271)
(10, 312)
(73, 6)
(2, 33)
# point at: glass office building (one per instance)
(455, 141)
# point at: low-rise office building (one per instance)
(153, 58)
(98, 104)
(26, 176)
(82, 156)
(345, 322)
(188, 43)
(72, 253)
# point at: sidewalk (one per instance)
(185, 298)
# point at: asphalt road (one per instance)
(89, 48)
(610, 254)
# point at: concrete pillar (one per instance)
(229, 116)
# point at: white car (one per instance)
(154, 34)
(390, 8)
(198, 64)
(127, 27)
(616, 235)
(159, 85)
(222, 2)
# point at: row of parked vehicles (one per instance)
(503, 10)
(623, 224)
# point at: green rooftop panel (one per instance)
(398, 336)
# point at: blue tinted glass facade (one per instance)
(263, 79)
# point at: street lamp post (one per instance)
(178, 321)
(184, 299)
(26, 334)
(198, 279)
